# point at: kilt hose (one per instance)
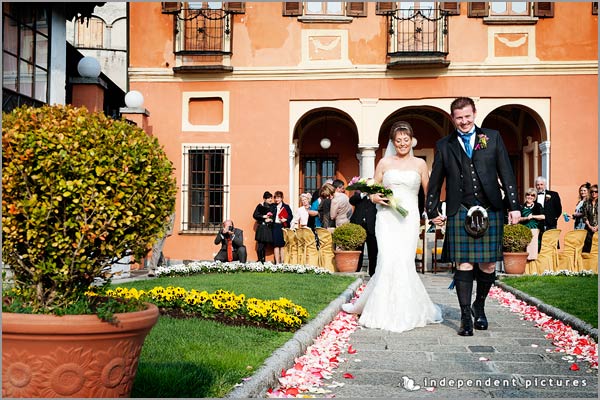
(460, 247)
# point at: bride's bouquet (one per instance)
(368, 185)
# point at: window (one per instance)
(323, 8)
(90, 34)
(506, 8)
(205, 188)
(325, 11)
(316, 171)
(25, 51)
(204, 28)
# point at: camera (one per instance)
(231, 228)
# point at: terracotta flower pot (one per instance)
(72, 355)
(346, 260)
(514, 263)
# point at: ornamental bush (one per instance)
(516, 238)
(80, 192)
(349, 236)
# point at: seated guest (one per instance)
(532, 216)
(232, 243)
(303, 212)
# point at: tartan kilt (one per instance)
(460, 247)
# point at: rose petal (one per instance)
(574, 367)
(348, 376)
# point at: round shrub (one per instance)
(80, 192)
(516, 238)
(349, 236)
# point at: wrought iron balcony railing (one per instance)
(417, 37)
(204, 31)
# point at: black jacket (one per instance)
(364, 212)
(490, 163)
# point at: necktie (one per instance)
(229, 249)
(467, 142)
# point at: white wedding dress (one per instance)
(395, 298)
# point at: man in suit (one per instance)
(471, 160)
(364, 215)
(157, 258)
(550, 201)
(231, 240)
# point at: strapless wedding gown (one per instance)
(395, 298)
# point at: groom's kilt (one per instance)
(462, 248)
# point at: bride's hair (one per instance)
(400, 126)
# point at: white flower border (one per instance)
(203, 267)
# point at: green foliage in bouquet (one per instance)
(516, 238)
(349, 236)
(80, 191)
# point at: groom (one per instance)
(471, 160)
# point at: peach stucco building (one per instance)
(243, 94)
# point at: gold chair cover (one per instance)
(326, 256)
(307, 247)
(590, 260)
(290, 251)
(570, 257)
(547, 258)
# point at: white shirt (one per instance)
(541, 197)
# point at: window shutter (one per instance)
(452, 8)
(478, 9)
(292, 8)
(384, 7)
(236, 7)
(543, 9)
(170, 7)
(594, 8)
(356, 9)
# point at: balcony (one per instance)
(417, 38)
(203, 40)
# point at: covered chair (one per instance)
(307, 247)
(547, 257)
(570, 258)
(326, 256)
(290, 250)
(590, 260)
(420, 259)
(437, 250)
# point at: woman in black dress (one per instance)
(264, 230)
(282, 216)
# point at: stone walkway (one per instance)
(510, 359)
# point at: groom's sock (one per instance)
(464, 290)
(484, 283)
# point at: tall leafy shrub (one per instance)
(79, 192)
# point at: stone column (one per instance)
(545, 150)
(292, 167)
(366, 159)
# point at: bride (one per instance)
(395, 298)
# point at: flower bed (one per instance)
(204, 267)
(221, 305)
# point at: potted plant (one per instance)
(347, 240)
(515, 240)
(79, 192)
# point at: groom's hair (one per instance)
(462, 102)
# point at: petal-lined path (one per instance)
(523, 354)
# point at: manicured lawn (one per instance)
(576, 295)
(200, 358)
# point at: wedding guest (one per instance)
(264, 230)
(590, 217)
(302, 214)
(341, 210)
(550, 201)
(532, 216)
(231, 240)
(327, 191)
(283, 215)
(365, 213)
(578, 214)
(157, 258)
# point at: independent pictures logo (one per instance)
(428, 384)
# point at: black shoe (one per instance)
(481, 322)
(466, 323)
